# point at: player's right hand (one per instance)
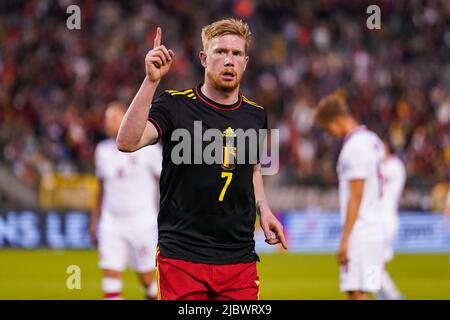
(158, 60)
(342, 253)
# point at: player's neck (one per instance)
(350, 125)
(220, 96)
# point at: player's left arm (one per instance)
(95, 214)
(273, 229)
(354, 202)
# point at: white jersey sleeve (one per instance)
(394, 177)
(355, 160)
(99, 161)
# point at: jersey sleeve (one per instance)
(400, 178)
(356, 161)
(161, 114)
(99, 171)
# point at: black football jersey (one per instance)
(207, 211)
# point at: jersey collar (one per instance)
(217, 105)
(353, 131)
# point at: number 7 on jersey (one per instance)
(227, 175)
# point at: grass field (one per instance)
(41, 274)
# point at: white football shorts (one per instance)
(122, 243)
(365, 265)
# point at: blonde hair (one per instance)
(329, 108)
(226, 26)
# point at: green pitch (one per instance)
(41, 274)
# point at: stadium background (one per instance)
(55, 84)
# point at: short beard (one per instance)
(225, 86)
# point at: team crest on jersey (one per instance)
(229, 150)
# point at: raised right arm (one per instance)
(135, 131)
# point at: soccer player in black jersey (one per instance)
(207, 211)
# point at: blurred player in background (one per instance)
(126, 216)
(447, 205)
(447, 212)
(394, 177)
(207, 216)
(360, 252)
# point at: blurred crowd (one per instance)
(55, 83)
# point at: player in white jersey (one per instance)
(394, 177)
(447, 212)
(447, 205)
(126, 217)
(360, 252)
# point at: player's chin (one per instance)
(228, 85)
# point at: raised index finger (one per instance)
(157, 41)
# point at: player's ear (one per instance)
(202, 56)
(246, 61)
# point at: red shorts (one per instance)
(184, 280)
